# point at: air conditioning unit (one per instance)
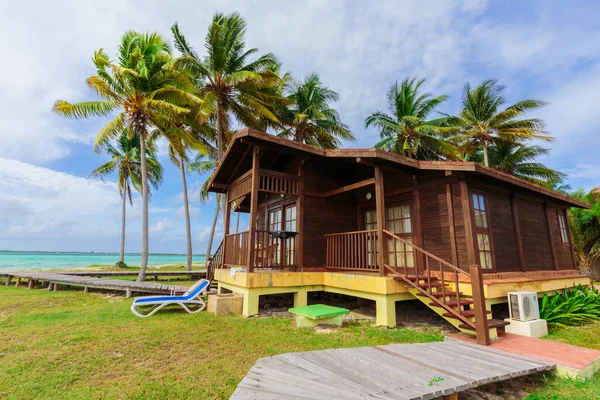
(523, 306)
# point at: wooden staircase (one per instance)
(437, 284)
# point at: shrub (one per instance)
(575, 306)
(120, 264)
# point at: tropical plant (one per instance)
(407, 131)
(518, 159)
(584, 225)
(309, 117)
(574, 306)
(232, 86)
(126, 160)
(147, 89)
(482, 120)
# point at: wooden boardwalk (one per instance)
(396, 371)
(100, 274)
(52, 280)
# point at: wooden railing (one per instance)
(352, 250)
(214, 262)
(448, 275)
(236, 249)
(269, 252)
(278, 182)
(240, 187)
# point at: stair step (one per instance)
(492, 323)
(433, 285)
(422, 278)
(439, 294)
(453, 303)
(465, 313)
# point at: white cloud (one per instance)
(162, 225)
(37, 202)
(180, 212)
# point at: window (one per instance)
(290, 226)
(562, 224)
(482, 230)
(370, 220)
(275, 225)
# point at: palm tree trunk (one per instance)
(237, 223)
(123, 211)
(188, 229)
(144, 265)
(486, 160)
(212, 229)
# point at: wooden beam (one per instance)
(347, 188)
(300, 218)
(469, 229)
(418, 224)
(518, 238)
(450, 206)
(550, 236)
(237, 167)
(253, 207)
(481, 321)
(220, 186)
(226, 213)
(380, 212)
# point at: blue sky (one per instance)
(539, 49)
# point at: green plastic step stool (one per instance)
(318, 314)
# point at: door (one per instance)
(398, 220)
(275, 224)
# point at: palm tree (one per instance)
(585, 231)
(147, 90)
(481, 119)
(126, 160)
(231, 85)
(198, 136)
(309, 118)
(406, 130)
(518, 159)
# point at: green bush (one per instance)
(575, 306)
(120, 264)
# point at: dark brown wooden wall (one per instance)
(563, 251)
(534, 235)
(436, 228)
(503, 232)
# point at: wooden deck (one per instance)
(397, 371)
(52, 280)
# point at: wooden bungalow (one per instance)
(367, 223)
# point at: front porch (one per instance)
(384, 290)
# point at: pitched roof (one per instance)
(377, 154)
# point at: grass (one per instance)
(72, 345)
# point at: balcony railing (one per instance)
(269, 251)
(352, 250)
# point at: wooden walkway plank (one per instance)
(397, 371)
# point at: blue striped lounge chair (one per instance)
(146, 306)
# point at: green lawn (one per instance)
(73, 345)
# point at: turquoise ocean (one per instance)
(25, 260)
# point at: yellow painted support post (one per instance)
(385, 311)
(300, 298)
(250, 303)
